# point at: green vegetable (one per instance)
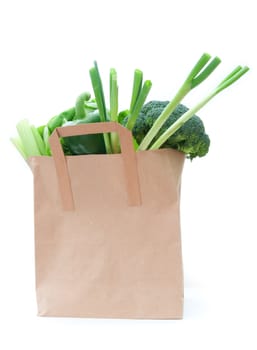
(28, 141)
(84, 144)
(61, 118)
(114, 109)
(137, 86)
(154, 124)
(39, 141)
(122, 115)
(46, 134)
(80, 111)
(139, 95)
(40, 129)
(90, 106)
(100, 100)
(230, 79)
(16, 141)
(190, 139)
(197, 75)
(113, 95)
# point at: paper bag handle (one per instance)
(127, 151)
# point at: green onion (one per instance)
(137, 86)
(113, 95)
(100, 100)
(114, 106)
(197, 75)
(230, 79)
(139, 104)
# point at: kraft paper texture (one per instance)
(100, 252)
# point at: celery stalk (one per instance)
(18, 144)
(27, 139)
(39, 140)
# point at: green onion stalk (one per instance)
(230, 79)
(197, 75)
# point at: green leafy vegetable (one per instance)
(154, 124)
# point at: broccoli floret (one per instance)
(147, 116)
(190, 139)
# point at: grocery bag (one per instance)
(107, 230)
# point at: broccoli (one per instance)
(190, 139)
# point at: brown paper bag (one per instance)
(107, 230)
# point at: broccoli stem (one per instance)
(230, 79)
(100, 100)
(197, 75)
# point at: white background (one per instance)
(47, 48)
